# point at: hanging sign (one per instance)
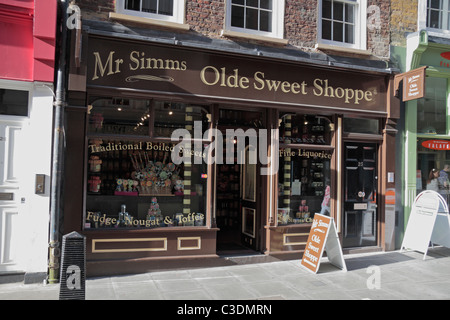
(429, 221)
(413, 83)
(436, 144)
(323, 236)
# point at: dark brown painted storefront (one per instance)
(229, 86)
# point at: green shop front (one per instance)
(426, 163)
(177, 155)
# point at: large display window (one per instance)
(132, 180)
(304, 178)
(433, 166)
(431, 110)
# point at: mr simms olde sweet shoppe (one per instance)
(326, 125)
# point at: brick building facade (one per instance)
(404, 17)
(207, 18)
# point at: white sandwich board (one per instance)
(429, 222)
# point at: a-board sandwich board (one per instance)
(323, 237)
(429, 222)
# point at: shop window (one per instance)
(119, 116)
(431, 110)
(134, 177)
(260, 17)
(360, 125)
(341, 22)
(433, 166)
(304, 176)
(135, 184)
(304, 185)
(245, 119)
(168, 10)
(170, 116)
(14, 102)
(305, 129)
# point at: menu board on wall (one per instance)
(323, 236)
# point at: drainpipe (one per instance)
(59, 104)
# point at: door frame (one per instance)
(251, 207)
(372, 139)
(261, 192)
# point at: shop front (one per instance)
(426, 120)
(176, 153)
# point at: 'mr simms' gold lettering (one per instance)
(137, 61)
(109, 65)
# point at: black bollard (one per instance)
(72, 284)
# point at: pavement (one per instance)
(374, 276)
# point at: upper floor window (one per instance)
(342, 23)
(164, 7)
(260, 17)
(438, 15)
(168, 10)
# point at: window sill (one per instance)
(327, 47)
(248, 36)
(438, 32)
(149, 21)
